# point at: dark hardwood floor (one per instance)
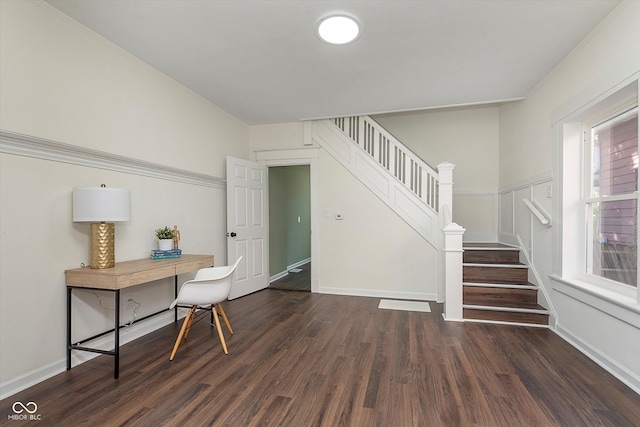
(295, 281)
(301, 359)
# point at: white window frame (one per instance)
(569, 259)
(626, 109)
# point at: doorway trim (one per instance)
(296, 157)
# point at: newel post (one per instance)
(445, 215)
(453, 271)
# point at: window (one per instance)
(597, 231)
(611, 198)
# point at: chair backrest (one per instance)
(210, 286)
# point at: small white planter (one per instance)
(165, 244)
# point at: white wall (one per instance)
(372, 251)
(529, 164)
(468, 138)
(276, 137)
(63, 83)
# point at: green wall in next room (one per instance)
(289, 217)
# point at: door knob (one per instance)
(232, 234)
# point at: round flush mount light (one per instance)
(338, 29)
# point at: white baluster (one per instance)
(426, 189)
(353, 128)
(417, 176)
(391, 159)
(445, 192)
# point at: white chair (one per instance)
(209, 288)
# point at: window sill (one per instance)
(623, 307)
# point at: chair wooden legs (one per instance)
(187, 323)
(219, 328)
(224, 317)
(186, 333)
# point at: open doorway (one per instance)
(290, 227)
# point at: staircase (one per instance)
(479, 282)
(418, 193)
(496, 287)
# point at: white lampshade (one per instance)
(101, 204)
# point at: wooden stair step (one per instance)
(488, 246)
(497, 264)
(489, 262)
(527, 285)
(509, 297)
(515, 305)
(490, 256)
(531, 316)
(496, 287)
(495, 273)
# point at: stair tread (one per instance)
(495, 263)
(508, 285)
(489, 247)
(509, 304)
(507, 317)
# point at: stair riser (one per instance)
(506, 316)
(489, 256)
(473, 274)
(498, 296)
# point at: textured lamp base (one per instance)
(102, 245)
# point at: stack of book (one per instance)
(171, 253)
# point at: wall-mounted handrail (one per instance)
(538, 212)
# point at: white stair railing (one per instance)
(414, 173)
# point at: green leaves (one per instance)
(164, 233)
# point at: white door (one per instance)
(247, 225)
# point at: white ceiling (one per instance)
(262, 62)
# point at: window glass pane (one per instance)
(614, 156)
(613, 248)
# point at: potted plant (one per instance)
(165, 238)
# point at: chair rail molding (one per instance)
(45, 149)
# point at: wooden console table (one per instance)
(123, 275)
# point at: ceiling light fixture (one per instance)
(338, 29)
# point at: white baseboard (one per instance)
(127, 334)
(631, 379)
(282, 274)
(24, 381)
(299, 263)
(278, 276)
(418, 296)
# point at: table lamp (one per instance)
(101, 206)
